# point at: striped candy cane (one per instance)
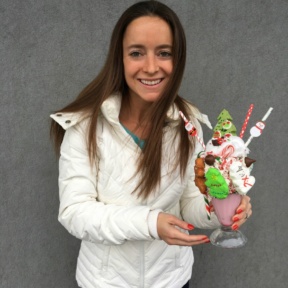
(207, 206)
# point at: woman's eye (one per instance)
(165, 54)
(135, 54)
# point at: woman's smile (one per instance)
(151, 82)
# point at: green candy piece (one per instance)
(216, 183)
(225, 124)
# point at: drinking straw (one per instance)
(246, 121)
(263, 120)
(191, 129)
(193, 132)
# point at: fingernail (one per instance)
(239, 211)
(235, 227)
(205, 238)
(207, 241)
(190, 226)
(235, 219)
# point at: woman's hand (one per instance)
(243, 212)
(168, 230)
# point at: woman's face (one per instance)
(147, 58)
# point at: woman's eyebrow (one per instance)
(139, 46)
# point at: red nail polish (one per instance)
(235, 227)
(205, 238)
(190, 226)
(235, 219)
(207, 241)
(239, 211)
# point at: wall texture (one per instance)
(49, 50)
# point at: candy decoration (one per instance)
(256, 130)
(248, 161)
(246, 121)
(207, 206)
(240, 177)
(224, 125)
(191, 129)
(209, 160)
(216, 183)
(200, 183)
(200, 175)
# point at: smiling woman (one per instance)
(126, 167)
(147, 58)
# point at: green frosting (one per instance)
(225, 124)
(216, 183)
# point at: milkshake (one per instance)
(227, 177)
(225, 209)
(222, 173)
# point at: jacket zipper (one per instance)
(142, 265)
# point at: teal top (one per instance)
(137, 140)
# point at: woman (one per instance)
(126, 164)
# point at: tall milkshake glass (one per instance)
(225, 209)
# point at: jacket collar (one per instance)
(67, 120)
(110, 110)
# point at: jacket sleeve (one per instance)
(80, 212)
(192, 201)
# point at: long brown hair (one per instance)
(111, 80)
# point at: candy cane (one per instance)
(246, 121)
(207, 206)
(227, 151)
(191, 129)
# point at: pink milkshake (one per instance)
(222, 173)
(225, 209)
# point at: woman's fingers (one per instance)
(172, 220)
(245, 204)
(243, 212)
(176, 237)
(169, 231)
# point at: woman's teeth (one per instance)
(150, 83)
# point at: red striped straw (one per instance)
(189, 127)
(246, 121)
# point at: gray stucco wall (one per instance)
(237, 55)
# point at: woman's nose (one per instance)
(151, 65)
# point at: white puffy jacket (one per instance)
(120, 245)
